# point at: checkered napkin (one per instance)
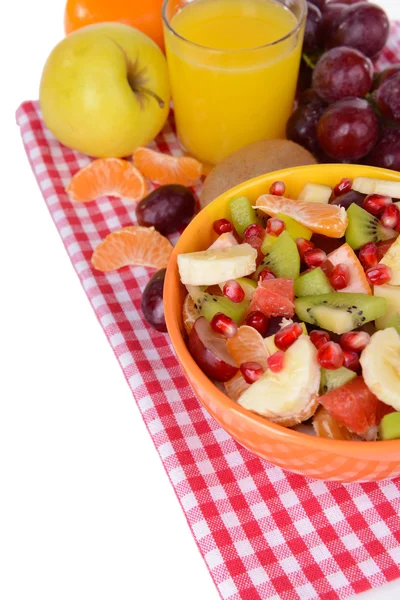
(264, 533)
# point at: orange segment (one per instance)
(236, 386)
(107, 177)
(248, 345)
(328, 219)
(358, 281)
(189, 313)
(132, 246)
(164, 169)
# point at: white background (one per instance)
(86, 509)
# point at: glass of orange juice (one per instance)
(233, 67)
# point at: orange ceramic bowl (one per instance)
(311, 456)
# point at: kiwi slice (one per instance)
(389, 428)
(242, 213)
(334, 379)
(268, 242)
(312, 283)
(283, 258)
(364, 227)
(294, 228)
(339, 312)
(209, 305)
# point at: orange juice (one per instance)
(233, 77)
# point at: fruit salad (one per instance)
(295, 307)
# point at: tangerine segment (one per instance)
(248, 345)
(164, 169)
(132, 246)
(236, 386)
(107, 177)
(328, 219)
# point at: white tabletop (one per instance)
(86, 509)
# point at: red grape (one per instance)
(349, 198)
(386, 153)
(362, 26)
(388, 97)
(168, 208)
(385, 74)
(302, 124)
(210, 352)
(319, 4)
(312, 32)
(152, 303)
(342, 72)
(352, 1)
(331, 18)
(348, 129)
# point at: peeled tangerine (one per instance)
(290, 396)
(380, 362)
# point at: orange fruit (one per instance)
(132, 246)
(326, 426)
(164, 168)
(274, 297)
(236, 386)
(358, 281)
(189, 313)
(142, 14)
(328, 219)
(248, 345)
(107, 177)
(354, 406)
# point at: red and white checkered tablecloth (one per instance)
(263, 532)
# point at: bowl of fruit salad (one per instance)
(282, 302)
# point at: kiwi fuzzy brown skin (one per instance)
(251, 161)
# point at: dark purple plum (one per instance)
(349, 198)
(152, 303)
(363, 26)
(168, 208)
(386, 153)
(342, 72)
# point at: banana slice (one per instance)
(291, 396)
(380, 362)
(212, 266)
(369, 185)
(315, 192)
(392, 260)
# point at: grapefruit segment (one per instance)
(133, 245)
(358, 281)
(328, 219)
(274, 297)
(165, 169)
(107, 177)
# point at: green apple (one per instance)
(105, 90)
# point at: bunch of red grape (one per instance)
(346, 112)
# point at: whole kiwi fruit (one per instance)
(251, 161)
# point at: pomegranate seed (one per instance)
(342, 187)
(224, 325)
(327, 268)
(303, 245)
(355, 340)
(390, 216)
(368, 255)
(222, 226)
(319, 338)
(254, 230)
(275, 226)
(234, 291)
(351, 360)
(251, 371)
(255, 242)
(340, 276)
(315, 257)
(330, 356)
(278, 188)
(275, 361)
(382, 248)
(375, 203)
(266, 274)
(286, 336)
(379, 274)
(258, 321)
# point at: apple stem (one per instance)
(143, 90)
